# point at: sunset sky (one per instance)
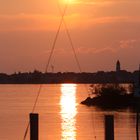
(102, 31)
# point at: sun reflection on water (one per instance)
(68, 111)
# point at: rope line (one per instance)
(70, 40)
(33, 109)
(47, 66)
(62, 21)
(93, 126)
(56, 37)
(72, 45)
(79, 67)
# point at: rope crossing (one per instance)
(62, 21)
(78, 64)
(70, 40)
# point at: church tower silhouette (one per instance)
(118, 66)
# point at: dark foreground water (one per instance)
(61, 115)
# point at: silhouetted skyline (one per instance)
(38, 77)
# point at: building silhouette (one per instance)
(137, 85)
(118, 66)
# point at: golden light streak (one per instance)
(68, 111)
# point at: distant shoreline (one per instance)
(37, 77)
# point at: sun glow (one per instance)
(68, 1)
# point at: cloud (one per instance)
(73, 18)
(127, 43)
(93, 50)
(35, 22)
(91, 21)
(93, 2)
(112, 48)
(105, 2)
(28, 22)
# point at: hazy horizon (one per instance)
(103, 31)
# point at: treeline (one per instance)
(38, 77)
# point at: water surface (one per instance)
(61, 115)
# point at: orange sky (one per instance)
(102, 32)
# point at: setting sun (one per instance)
(68, 1)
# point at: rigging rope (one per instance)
(78, 64)
(47, 66)
(70, 40)
(62, 21)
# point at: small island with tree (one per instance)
(114, 95)
(111, 95)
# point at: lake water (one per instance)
(61, 116)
